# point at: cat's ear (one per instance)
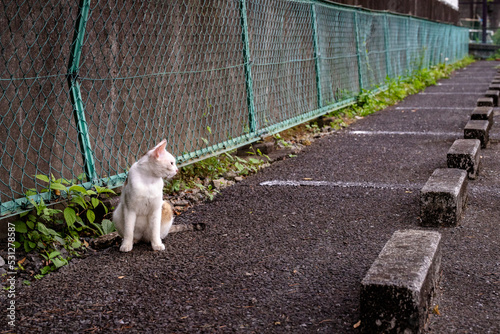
(159, 149)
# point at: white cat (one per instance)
(142, 214)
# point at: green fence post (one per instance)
(407, 30)
(248, 67)
(386, 45)
(75, 93)
(358, 54)
(317, 55)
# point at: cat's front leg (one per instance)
(155, 224)
(128, 231)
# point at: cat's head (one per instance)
(162, 163)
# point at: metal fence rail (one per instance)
(87, 88)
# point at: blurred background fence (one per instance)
(87, 88)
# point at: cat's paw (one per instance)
(158, 247)
(126, 246)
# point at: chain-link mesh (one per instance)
(87, 88)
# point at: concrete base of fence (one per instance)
(485, 102)
(443, 198)
(464, 154)
(396, 293)
(483, 113)
(478, 129)
(494, 95)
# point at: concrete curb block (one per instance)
(494, 95)
(464, 154)
(443, 198)
(494, 87)
(485, 102)
(478, 129)
(484, 114)
(396, 293)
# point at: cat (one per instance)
(142, 215)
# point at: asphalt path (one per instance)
(285, 250)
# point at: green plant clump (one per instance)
(47, 230)
(397, 89)
(200, 174)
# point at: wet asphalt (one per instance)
(288, 257)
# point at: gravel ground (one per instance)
(290, 259)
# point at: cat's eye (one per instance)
(172, 163)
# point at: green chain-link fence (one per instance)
(87, 88)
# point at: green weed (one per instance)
(47, 230)
(396, 90)
(201, 174)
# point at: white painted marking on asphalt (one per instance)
(449, 93)
(468, 77)
(339, 184)
(437, 108)
(457, 84)
(372, 185)
(404, 133)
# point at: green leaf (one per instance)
(51, 212)
(31, 244)
(58, 186)
(101, 190)
(90, 216)
(20, 227)
(99, 228)
(66, 181)
(30, 224)
(52, 232)
(43, 178)
(229, 156)
(33, 235)
(76, 244)
(70, 216)
(79, 201)
(239, 166)
(54, 254)
(31, 192)
(42, 229)
(107, 226)
(78, 189)
(95, 202)
(45, 270)
(59, 262)
(60, 240)
(16, 244)
(26, 245)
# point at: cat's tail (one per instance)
(118, 219)
(167, 218)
